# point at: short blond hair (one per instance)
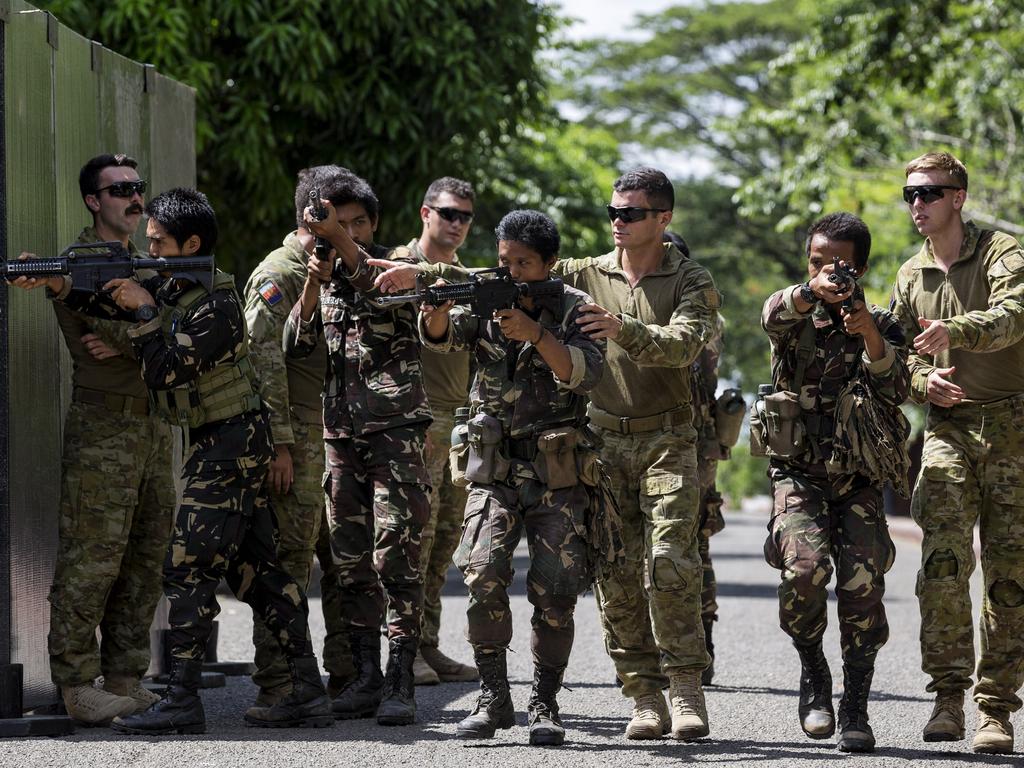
(939, 161)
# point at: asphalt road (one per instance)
(752, 705)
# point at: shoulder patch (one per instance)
(712, 298)
(271, 293)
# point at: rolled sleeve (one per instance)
(883, 364)
(579, 370)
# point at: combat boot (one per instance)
(88, 705)
(689, 712)
(179, 711)
(423, 673)
(306, 706)
(817, 716)
(399, 698)
(494, 704)
(132, 688)
(268, 697)
(709, 671)
(855, 733)
(542, 713)
(947, 720)
(362, 695)
(651, 717)
(448, 670)
(994, 735)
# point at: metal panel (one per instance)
(32, 345)
(173, 133)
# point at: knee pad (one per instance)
(942, 565)
(1006, 593)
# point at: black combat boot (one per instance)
(709, 671)
(399, 704)
(362, 695)
(307, 706)
(855, 733)
(542, 713)
(494, 705)
(179, 711)
(817, 717)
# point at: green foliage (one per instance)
(401, 91)
(742, 476)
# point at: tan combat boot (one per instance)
(133, 689)
(448, 670)
(423, 673)
(994, 735)
(689, 712)
(89, 705)
(651, 718)
(947, 720)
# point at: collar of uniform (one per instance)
(417, 252)
(294, 246)
(90, 235)
(925, 258)
(670, 261)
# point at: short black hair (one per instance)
(341, 187)
(184, 212)
(533, 229)
(677, 241)
(315, 177)
(846, 228)
(449, 184)
(89, 176)
(650, 181)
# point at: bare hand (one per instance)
(281, 473)
(96, 347)
(430, 311)
(397, 275)
(859, 321)
(516, 325)
(826, 290)
(324, 227)
(55, 284)
(128, 294)
(320, 271)
(941, 391)
(934, 338)
(598, 322)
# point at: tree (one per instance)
(401, 91)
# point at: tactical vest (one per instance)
(226, 390)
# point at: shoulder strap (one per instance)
(804, 353)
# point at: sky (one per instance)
(608, 18)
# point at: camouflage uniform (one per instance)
(225, 525)
(819, 515)
(291, 389)
(972, 467)
(375, 419)
(117, 503)
(446, 380)
(526, 399)
(641, 408)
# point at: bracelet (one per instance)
(541, 336)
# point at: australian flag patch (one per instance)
(271, 293)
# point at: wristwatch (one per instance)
(145, 313)
(807, 294)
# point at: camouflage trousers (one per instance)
(972, 470)
(302, 532)
(652, 633)
(442, 531)
(378, 503)
(817, 520)
(496, 515)
(226, 528)
(117, 504)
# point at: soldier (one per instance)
(658, 309)
(117, 495)
(375, 420)
(534, 368)
(291, 388)
(447, 213)
(820, 347)
(961, 299)
(192, 346)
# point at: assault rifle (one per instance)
(484, 295)
(845, 279)
(321, 248)
(93, 265)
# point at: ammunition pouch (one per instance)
(484, 462)
(555, 463)
(776, 427)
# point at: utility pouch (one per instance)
(458, 460)
(783, 429)
(483, 461)
(730, 409)
(556, 457)
(758, 422)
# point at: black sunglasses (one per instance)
(124, 188)
(630, 214)
(453, 214)
(928, 193)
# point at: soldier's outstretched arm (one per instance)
(394, 276)
(889, 376)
